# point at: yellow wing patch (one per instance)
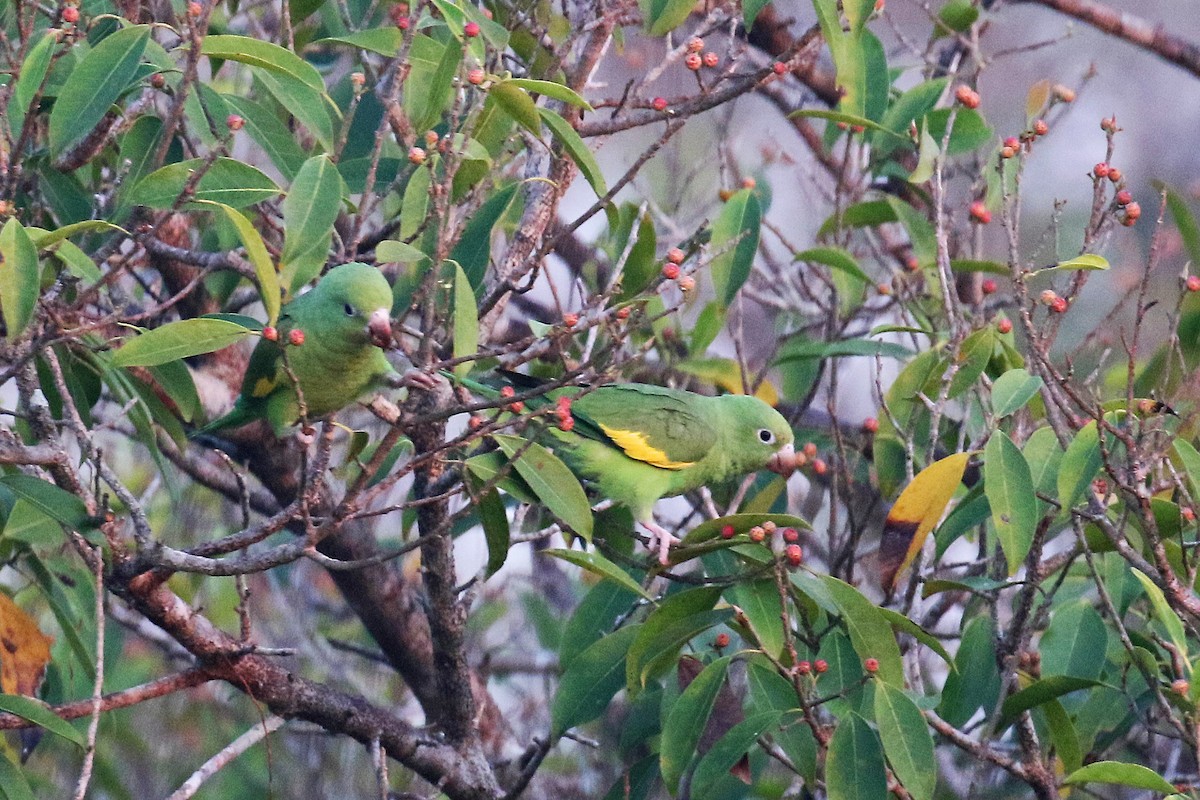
(263, 387)
(635, 446)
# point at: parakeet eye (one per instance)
(765, 436)
(349, 309)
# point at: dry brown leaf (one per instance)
(24, 650)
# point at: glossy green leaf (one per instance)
(852, 120)
(860, 215)
(655, 654)
(728, 751)
(834, 258)
(928, 151)
(270, 133)
(434, 65)
(801, 350)
(976, 681)
(1121, 774)
(20, 276)
(751, 9)
(395, 252)
(854, 768)
(600, 566)
(175, 379)
(309, 211)
(970, 131)
(550, 479)
(1075, 642)
(494, 520)
(1039, 692)
(1162, 610)
(972, 358)
(595, 616)
(309, 106)
(870, 632)
(957, 16)
(906, 741)
(1185, 221)
(95, 84)
(263, 54)
(384, 41)
(517, 103)
(662, 16)
(181, 339)
(474, 249)
(553, 90)
(762, 605)
(227, 181)
(1009, 488)
(735, 238)
(1188, 460)
(1064, 735)
(57, 504)
(1044, 456)
(13, 784)
(256, 251)
(466, 323)
(687, 719)
(587, 686)
(37, 711)
(907, 109)
(1012, 390)
(32, 74)
(580, 153)
(1079, 466)
(902, 623)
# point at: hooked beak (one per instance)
(379, 328)
(784, 461)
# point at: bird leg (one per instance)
(413, 378)
(661, 540)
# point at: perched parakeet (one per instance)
(346, 321)
(637, 443)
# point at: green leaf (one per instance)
(1079, 465)
(263, 54)
(384, 41)
(595, 616)
(517, 103)
(1087, 261)
(1185, 221)
(1009, 488)
(95, 84)
(308, 105)
(433, 68)
(587, 686)
(1122, 774)
(860, 215)
(580, 153)
(854, 768)
(739, 221)
(57, 504)
(1169, 619)
(663, 16)
(641, 265)
(834, 258)
(1012, 391)
(228, 181)
(969, 265)
(975, 682)
(20, 277)
(466, 325)
(33, 72)
(1043, 455)
(800, 350)
(906, 741)
(37, 711)
(763, 608)
(909, 108)
(597, 564)
(392, 251)
(1074, 642)
(550, 89)
(957, 16)
(270, 133)
(687, 719)
(870, 633)
(474, 249)
(970, 130)
(1189, 461)
(554, 484)
(904, 624)
(927, 153)
(494, 520)
(309, 211)
(751, 9)
(728, 751)
(657, 648)
(181, 339)
(972, 357)
(13, 785)
(854, 120)
(43, 240)
(1064, 735)
(1039, 692)
(256, 251)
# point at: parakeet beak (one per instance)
(784, 461)
(379, 328)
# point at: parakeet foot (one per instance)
(413, 378)
(661, 540)
(306, 435)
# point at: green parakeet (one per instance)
(345, 320)
(637, 443)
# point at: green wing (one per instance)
(661, 427)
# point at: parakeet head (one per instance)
(360, 300)
(758, 435)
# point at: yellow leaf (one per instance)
(917, 510)
(24, 650)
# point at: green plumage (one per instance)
(345, 321)
(637, 443)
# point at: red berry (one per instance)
(1064, 94)
(804, 667)
(403, 23)
(195, 9)
(1187, 513)
(711, 60)
(659, 104)
(809, 449)
(516, 407)
(695, 44)
(911, 264)
(416, 155)
(1100, 170)
(235, 122)
(670, 271)
(1008, 152)
(1004, 326)
(1124, 197)
(871, 665)
(794, 555)
(1041, 128)
(1114, 175)
(431, 138)
(693, 61)
(1109, 124)
(622, 312)
(870, 425)
(1048, 297)
(687, 283)
(819, 466)
(565, 424)
(507, 391)
(879, 5)
(1012, 142)
(475, 422)
(727, 531)
(722, 641)
(1193, 283)
(883, 288)
(769, 526)
(676, 256)
(476, 76)
(1133, 210)
(821, 666)
(791, 535)
(270, 333)
(988, 286)
(158, 80)
(779, 68)
(1059, 306)
(471, 29)
(563, 403)
(967, 96)
(979, 212)
(70, 15)
(358, 80)
(757, 534)
(1180, 686)
(570, 320)
(296, 337)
